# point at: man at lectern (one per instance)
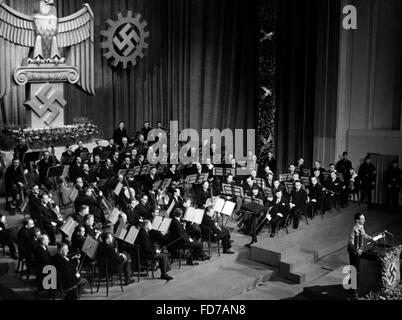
(356, 242)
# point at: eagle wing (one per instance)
(76, 34)
(17, 36)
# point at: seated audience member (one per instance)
(335, 188)
(248, 185)
(292, 169)
(298, 203)
(67, 273)
(217, 233)
(318, 175)
(149, 252)
(177, 231)
(315, 194)
(317, 166)
(116, 262)
(89, 221)
(300, 166)
(331, 168)
(98, 150)
(14, 181)
(6, 237)
(278, 213)
(277, 186)
(48, 218)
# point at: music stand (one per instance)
(56, 171)
(145, 169)
(122, 172)
(234, 191)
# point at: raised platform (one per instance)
(295, 254)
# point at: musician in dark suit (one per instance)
(177, 231)
(43, 166)
(34, 202)
(149, 181)
(67, 272)
(116, 262)
(298, 203)
(78, 239)
(146, 130)
(148, 250)
(88, 199)
(25, 238)
(75, 169)
(14, 180)
(80, 149)
(172, 173)
(393, 183)
(119, 134)
(111, 147)
(89, 227)
(49, 219)
(177, 199)
(279, 211)
(42, 258)
(144, 209)
(124, 149)
(132, 215)
(248, 186)
(203, 194)
(6, 237)
(67, 157)
(97, 151)
(217, 233)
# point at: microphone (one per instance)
(387, 232)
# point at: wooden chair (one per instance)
(103, 273)
(65, 292)
(206, 236)
(144, 264)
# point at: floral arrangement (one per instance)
(388, 291)
(82, 130)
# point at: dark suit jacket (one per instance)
(132, 216)
(334, 186)
(280, 207)
(66, 272)
(144, 211)
(315, 192)
(202, 197)
(47, 216)
(108, 252)
(13, 176)
(147, 249)
(78, 151)
(208, 222)
(299, 198)
(177, 231)
(42, 257)
(34, 204)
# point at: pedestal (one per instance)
(45, 87)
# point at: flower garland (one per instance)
(56, 136)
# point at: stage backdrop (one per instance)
(200, 67)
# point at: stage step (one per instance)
(305, 273)
(272, 251)
(288, 265)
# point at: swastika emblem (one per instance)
(391, 275)
(124, 40)
(129, 39)
(47, 99)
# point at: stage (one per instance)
(304, 264)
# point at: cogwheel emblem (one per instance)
(125, 39)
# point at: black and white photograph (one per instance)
(200, 155)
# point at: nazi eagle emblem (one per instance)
(68, 40)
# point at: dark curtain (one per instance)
(199, 69)
(303, 27)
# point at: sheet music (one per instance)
(131, 235)
(118, 188)
(90, 247)
(114, 216)
(194, 215)
(69, 226)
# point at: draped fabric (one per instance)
(200, 68)
(382, 163)
(307, 40)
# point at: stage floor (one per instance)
(233, 277)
